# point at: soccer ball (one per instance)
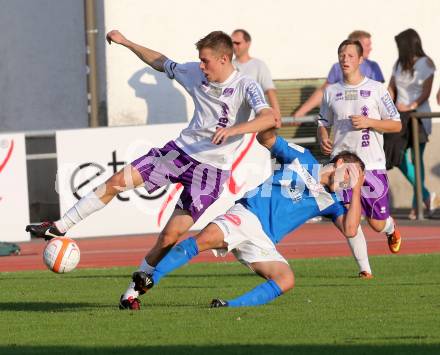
(61, 255)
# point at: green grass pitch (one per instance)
(330, 311)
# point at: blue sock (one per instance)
(176, 257)
(261, 294)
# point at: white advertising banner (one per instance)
(88, 157)
(14, 199)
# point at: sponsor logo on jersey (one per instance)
(255, 95)
(215, 91)
(233, 218)
(339, 96)
(351, 95)
(228, 92)
(365, 93)
(223, 120)
(389, 105)
(364, 111)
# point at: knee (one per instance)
(285, 281)
(168, 239)
(377, 225)
(115, 184)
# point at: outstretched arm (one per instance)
(263, 121)
(154, 59)
(313, 101)
(273, 102)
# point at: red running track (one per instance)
(309, 241)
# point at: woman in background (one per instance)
(410, 87)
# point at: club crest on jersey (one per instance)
(339, 96)
(351, 95)
(365, 93)
(228, 92)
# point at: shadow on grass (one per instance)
(229, 349)
(44, 307)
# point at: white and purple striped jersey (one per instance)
(371, 99)
(217, 105)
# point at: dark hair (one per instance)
(218, 41)
(358, 34)
(246, 35)
(348, 42)
(409, 46)
(348, 157)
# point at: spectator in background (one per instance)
(410, 87)
(369, 69)
(255, 68)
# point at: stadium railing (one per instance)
(292, 93)
(415, 138)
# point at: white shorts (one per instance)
(245, 237)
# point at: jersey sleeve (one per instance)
(377, 72)
(254, 96)
(387, 109)
(334, 74)
(325, 117)
(265, 78)
(183, 73)
(286, 152)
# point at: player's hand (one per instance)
(115, 36)
(360, 122)
(403, 108)
(296, 114)
(221, 135)
(356, 176)
(326, 146)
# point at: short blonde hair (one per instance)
(218, 41)
(358, 34)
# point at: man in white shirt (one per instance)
(361, 110)
(199, 159)
(254, 67)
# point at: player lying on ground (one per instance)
(200, 158)
(299, 190)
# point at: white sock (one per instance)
(131, 292)
(389, 226)
(358, 246)
(83, 208)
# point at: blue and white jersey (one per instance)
(293, 194)
(216, 105)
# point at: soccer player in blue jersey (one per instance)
(299, 189)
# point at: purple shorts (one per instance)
(374, 195)
(202, 183)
